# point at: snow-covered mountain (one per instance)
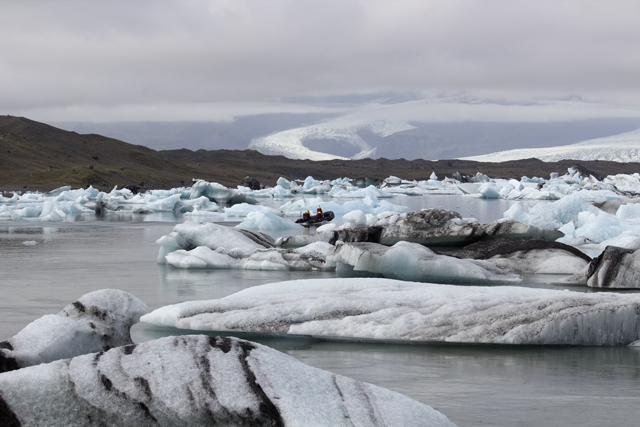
(624, 147)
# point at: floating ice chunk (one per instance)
(271, 259)
(553, 214)
(263, 221)
(534, 255)
(489, 190)
(384, 309)
(411, 261)
(218, 236)
(218, 193)
(198, 380)
(355, 218)
(317, 249)
(615, 268)
(244, 209)
(97, 321)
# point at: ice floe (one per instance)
(198, 381)
(392, 310)
(414, 262)
(532, 256)
(616, 267)
(97, 321)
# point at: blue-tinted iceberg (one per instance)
(414, 262)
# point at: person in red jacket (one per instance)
(319, 212)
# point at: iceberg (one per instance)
(616, 268)
(199, 380)
(97, 321)
(218, 193)
(532, 256)
(414, 262)
(392, 310)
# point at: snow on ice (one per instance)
(97, 321)
(199, 380)
(392, 310)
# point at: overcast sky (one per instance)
(214, 60)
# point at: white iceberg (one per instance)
(97, 321)
(392, 310)
(198, 381)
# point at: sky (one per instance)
(212, 60)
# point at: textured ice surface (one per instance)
(384, 309)
(264, 221)
(412, 261)
(261, 259)
(97, 321)
(614, 268)
(218, 193)
(534, 255)
(198, 380)
(617, 148)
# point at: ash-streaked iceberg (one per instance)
(97, 321)
(533, 256)
(198, 380)
(414, 262)
(393, 310)
(614, 268)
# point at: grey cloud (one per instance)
(68, 55)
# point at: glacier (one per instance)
(198, 380)
(392, 310)
(624, 147)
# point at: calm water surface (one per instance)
(472, 385)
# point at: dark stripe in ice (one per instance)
(81, 308)
(268, 411)
(611, 259)
(8, 364)
(6, 345)
(486, 249)
(146, 411)
(128, 349)
(106, 382)
(7, 417)
(144, 385)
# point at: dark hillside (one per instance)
(36, 156)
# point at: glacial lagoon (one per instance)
(488, 385)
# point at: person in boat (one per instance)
(319, 212)
(306, 215)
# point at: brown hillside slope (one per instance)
(36, 156)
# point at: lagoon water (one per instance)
(472, 385)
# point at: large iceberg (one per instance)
(533, 256)
(414, 262)
(200, 381)
(393, 310)
(97, 321)
(429, 227)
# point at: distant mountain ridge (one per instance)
(37, 156)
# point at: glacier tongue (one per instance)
(384, 309)
(198, 381)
